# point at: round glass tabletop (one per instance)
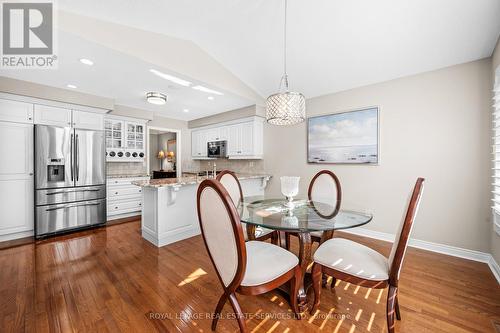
(305, 216)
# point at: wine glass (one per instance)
(289, 188)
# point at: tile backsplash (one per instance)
(125, 168)
(243, 166)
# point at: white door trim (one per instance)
(178, 158)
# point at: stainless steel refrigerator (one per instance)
(70, 179)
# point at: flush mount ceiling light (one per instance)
(207, 90)
(72, 86)
(87, 62)
(171, 78)
(210, 98)
(156, 98)
(285, 107)
(185, 110)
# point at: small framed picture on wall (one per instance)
(344, 138)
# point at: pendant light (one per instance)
(285, 107)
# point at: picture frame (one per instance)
(349, 137)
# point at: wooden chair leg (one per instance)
(288, 239)
(391, 302)
(238, 312)
(218, 309)
(294, 291)
(317, 281)
(275, 238)
(398, 314)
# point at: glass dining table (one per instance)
(302, 218)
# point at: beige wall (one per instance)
(495, 238)
(435, 125)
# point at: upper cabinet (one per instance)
(56, 116)
(125, 139)
(244, 139)
(14, 111)
(53, 116)
(88, 120)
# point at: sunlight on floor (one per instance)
(193, 276)
(369, 327)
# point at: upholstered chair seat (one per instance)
(316, 234)
(353, 258)
(266, 262)
(248, 268)
(360, 265)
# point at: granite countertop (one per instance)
(127, 175)
(193, 180)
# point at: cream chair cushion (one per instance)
(317, 233)
(266, 262)
(352, 258)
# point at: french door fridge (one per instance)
(70, 179)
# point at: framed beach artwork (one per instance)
(344, 138)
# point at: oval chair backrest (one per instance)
(403, 233)
(231, 183)
(222, 232)
(325, 188)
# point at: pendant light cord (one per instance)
(284, 78)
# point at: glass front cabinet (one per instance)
(125, 140)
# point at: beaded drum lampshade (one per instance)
(285, 107)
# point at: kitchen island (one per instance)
(169, 212)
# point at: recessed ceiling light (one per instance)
(87, 62)
(211, 98)
(207, 90)
(156, 98)
(171, 78)
(72, 86)
(185, 110)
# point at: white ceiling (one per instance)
(334, 45)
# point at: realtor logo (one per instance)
(28, 35)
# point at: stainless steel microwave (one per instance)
(217, 149)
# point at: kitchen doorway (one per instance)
(164, 152)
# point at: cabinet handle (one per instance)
(116, 207)
(116, 192)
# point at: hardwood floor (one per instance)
(111, 280)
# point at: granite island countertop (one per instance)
(191, 180)
(132, 175)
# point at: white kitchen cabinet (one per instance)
(15, 111)
(16, 181)
(123, 198)
(88, 120)
(199, 141)
(234, 140)
(51, 115)
(244, 139)
(125, 139)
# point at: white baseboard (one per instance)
(16, 235)
(495, 268)
(434, 247)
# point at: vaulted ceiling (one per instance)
(333, 44)
(236, 46)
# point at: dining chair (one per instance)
(358, 264)
(323, 188)
(248, 268)
(231, 183)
